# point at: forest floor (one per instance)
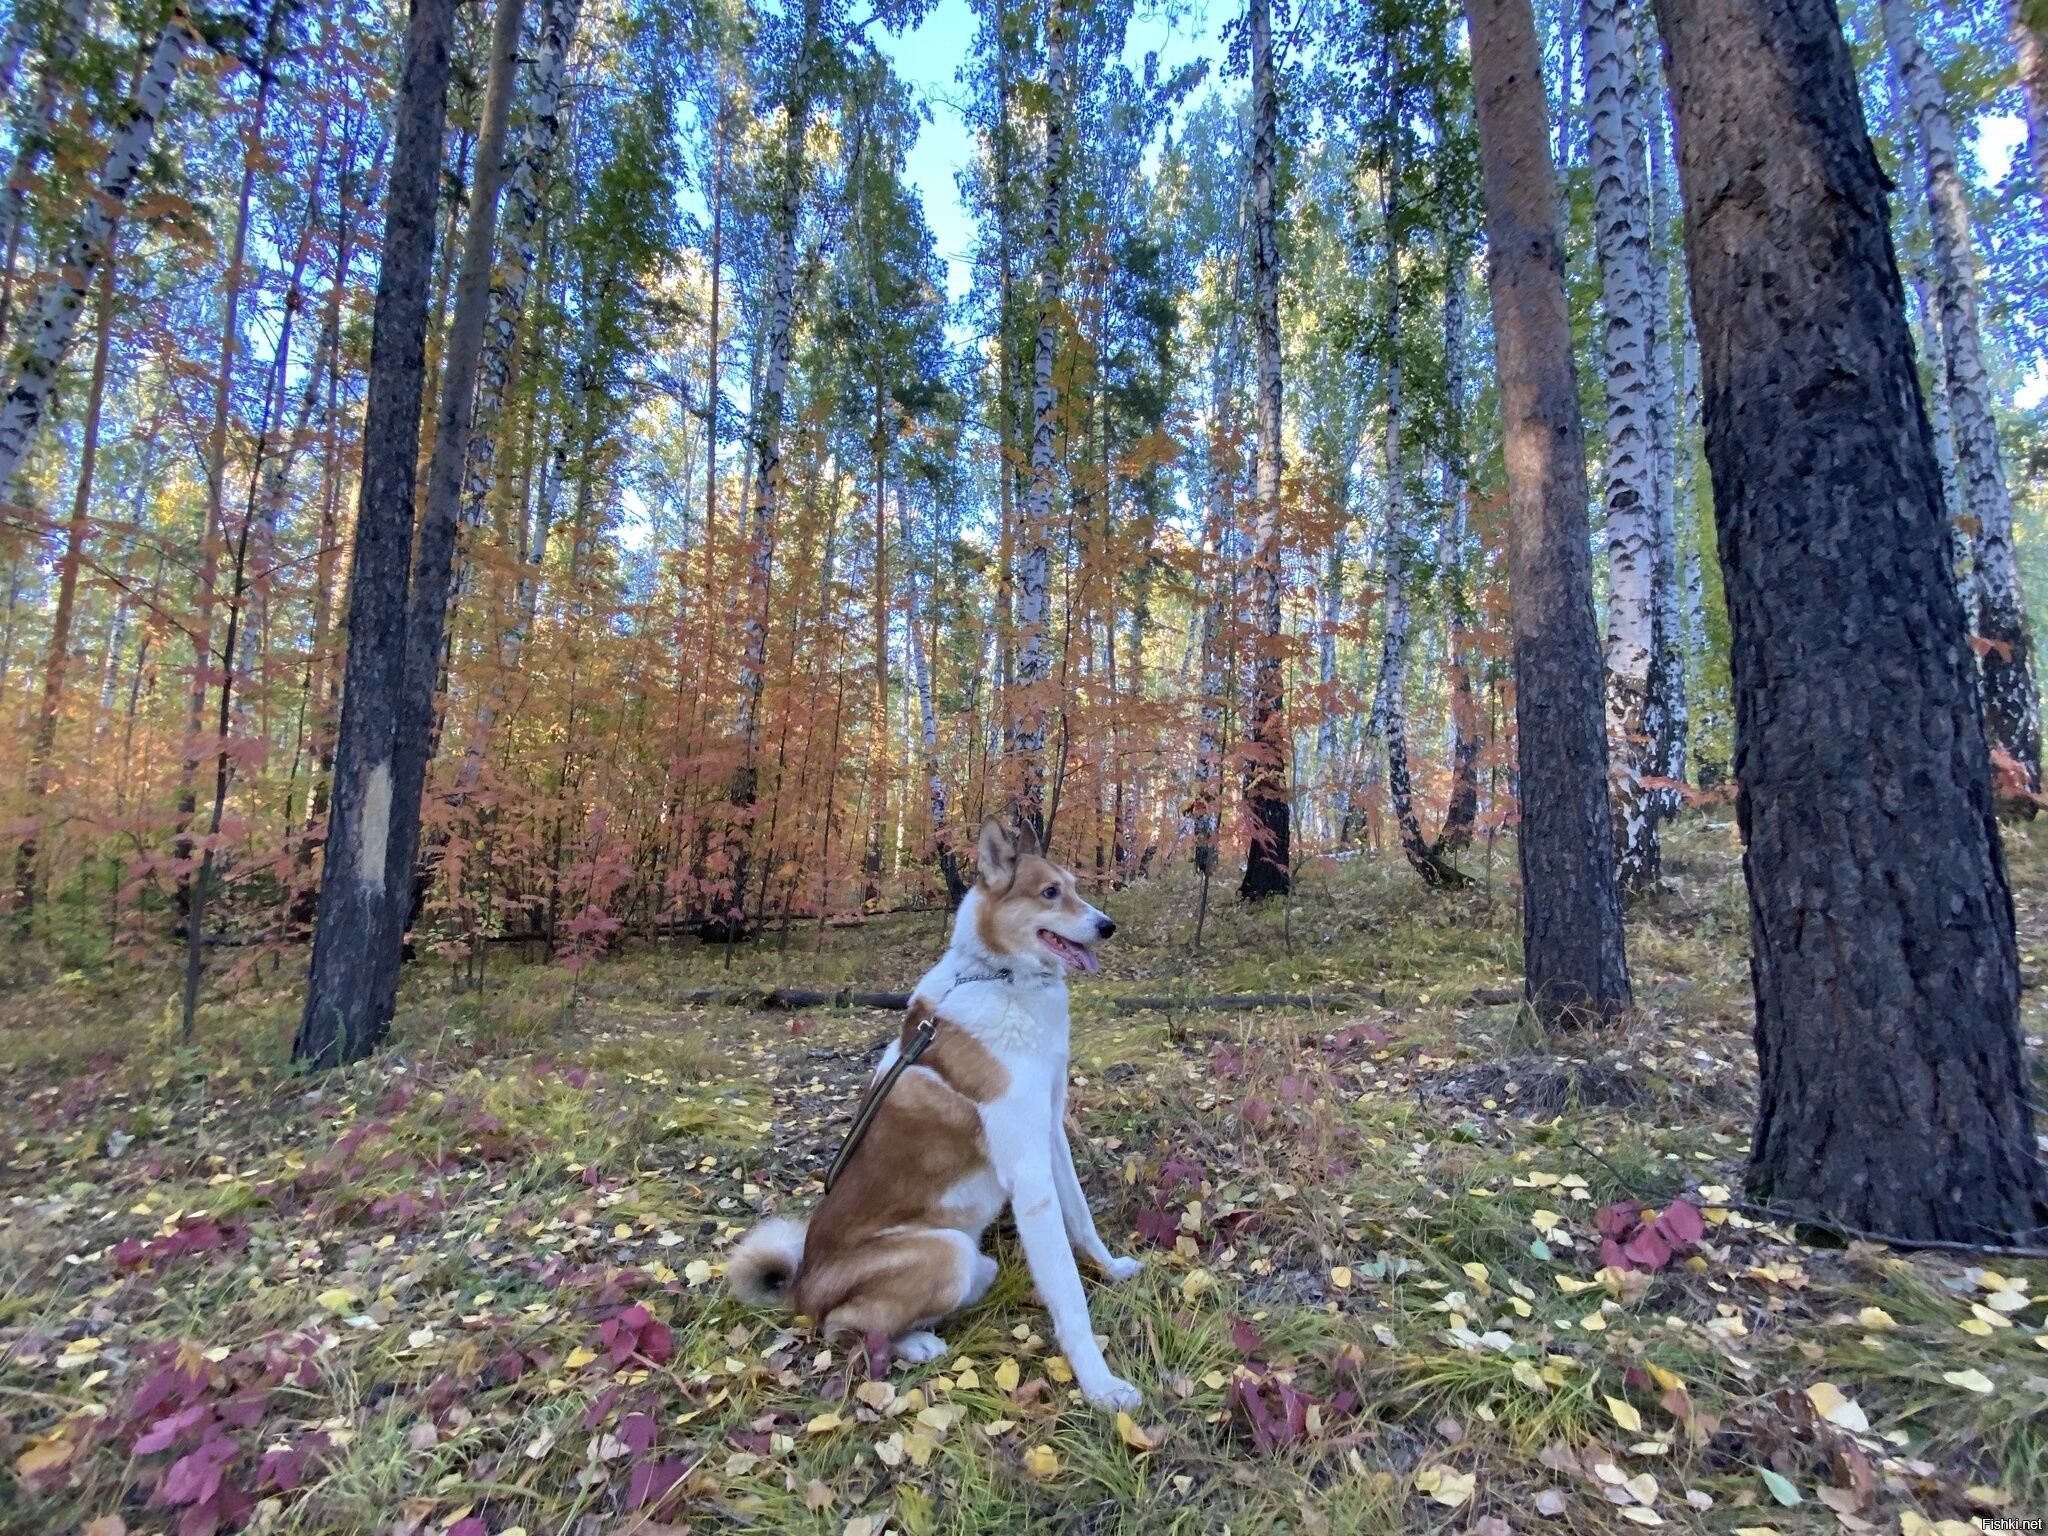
(473, 1285)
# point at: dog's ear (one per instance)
(997, 855)
(1027, 841)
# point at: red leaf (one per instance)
(1682, 1224)
(1611, 1256)
(1244, 1338)
(1257, 1110)
(1647, 1250)
(657, 1343)
(1619, 1219)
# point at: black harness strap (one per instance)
(920, 1041)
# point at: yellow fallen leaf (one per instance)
(1969, 1381)
(1454, 1488)
(1057, 1368)
(1594, 1322)
(1992, 1280)
(919, 1448)
(1527, 1375)
(1625, 1415)
(1522, 1308)
(2007, 1300)
(1670, 1381)
(579, 1357)
(1340, 1277)
(1196, 1282)
(1983, 1314)
(876, 1394)
(1040, 1462)
(1571, 1285)
(1544, 1221)
(1641, 1514)
(697, 1272)
(1876, 1317)
(1478, 1274)
(1135, 1435)
(823, 1424)
(337, 1300)
(1844, 1412)
(44, 1456)
(1007, 1376)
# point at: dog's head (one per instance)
(1028, 908)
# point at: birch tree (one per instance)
(2012, 707)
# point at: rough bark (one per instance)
(40, 351)
(1620, 226)
(1268, 856)
(940, 798)
(1034, 650)
(35, 133)
(1893, 1091)
(1574, 965)
(432, 588)
(2012, 708)
(345, 1015)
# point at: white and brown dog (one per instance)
(979, 1122)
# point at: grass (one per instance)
(1377, 1217)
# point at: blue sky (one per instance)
(930, 59)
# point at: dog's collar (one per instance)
(962, 981)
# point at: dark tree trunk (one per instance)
(1893, 1093)
(1268, 859)
(1573, 964)
(433, 577)
(353, 970)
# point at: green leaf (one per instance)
(1781, 1487)
(1539, 1249)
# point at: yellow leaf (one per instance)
(876, 1394)
(1571, 1285)
(1340, 1277)
(1057, 1368)
(2007, 1300)
(1985, 1315)
(1522, 1308)
(1670, 1381)
(1478, 1275)
(1196, 1282)
(1594, 1322)
(1543, 1221)
(1007, 1376)
(1454, 1488)
(1134, 1435)
(1975, 1325)
(919, 1448)
(823, 1424)
(44, 1456)
(1625, 1415)
(1641, 1514)
(1530, 1377)
(1876, 1317)
(1969, 1381)
(336, 1300)
(697, 1272)
(579, 1357)
(1040, 1462)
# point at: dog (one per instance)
(977, 1123)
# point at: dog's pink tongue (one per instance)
(1085, 955)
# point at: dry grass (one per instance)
(1354, 1199)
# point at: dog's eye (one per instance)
(1051, 893)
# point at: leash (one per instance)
(871, 1104)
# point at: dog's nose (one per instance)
(1104, 927)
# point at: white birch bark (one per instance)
(48, 333)
(1620, 223)
(1034, 651)
(36, 128)
(921, 675)
(520, 222)
(2012, 712)
(2032, 61)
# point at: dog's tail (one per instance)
(765, 1261)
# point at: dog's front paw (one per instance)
(1113, 1393)
(1121, 1270)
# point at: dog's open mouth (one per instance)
(1070, 953)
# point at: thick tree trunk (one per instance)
(1034, 650)
(1620, 225)
(346, 1012)
(730, 920)
(1574, 965)
(1268, 863)
(1893, 1091)
(1463, 808)
(433, 573)
(2012, 708)
(40, 352)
